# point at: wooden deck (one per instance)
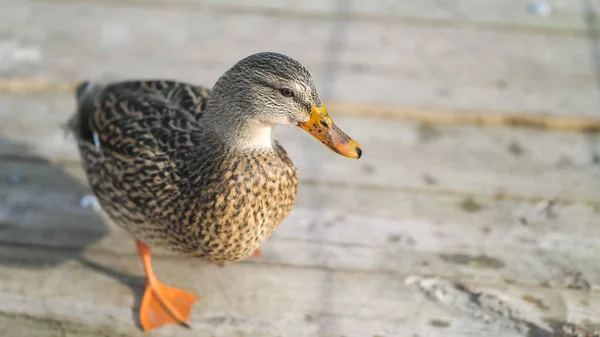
(475, 210)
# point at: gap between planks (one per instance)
(414, 114)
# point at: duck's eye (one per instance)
(287, 92)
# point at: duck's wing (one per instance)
(184, 95)
(131, 136)
(134, 116)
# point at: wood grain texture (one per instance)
(340, 258)
(485, 118)
(566, 16)
(371, 231)
(505, 162)
(325, 302)
(448, 67)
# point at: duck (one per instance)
(195, 170)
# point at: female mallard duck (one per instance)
(195, 171)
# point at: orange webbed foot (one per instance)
(162, 304)
(165, 305)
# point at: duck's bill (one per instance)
(324, 130)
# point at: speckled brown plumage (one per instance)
(161, 176)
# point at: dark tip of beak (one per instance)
(359, 151)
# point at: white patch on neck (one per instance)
(260, 138)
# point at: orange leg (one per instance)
(162, 304)
(257, 253)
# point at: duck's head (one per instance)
(268, 89)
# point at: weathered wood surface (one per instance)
(357, 60)
(343, 235)
(495, 161)
(434, 226)
(567, 16)
(457, 203)
(337, 264)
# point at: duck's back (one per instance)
(160, 175)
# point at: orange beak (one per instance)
(322, 128)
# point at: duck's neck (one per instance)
(254, 137)
(230, 113)
(238, 132)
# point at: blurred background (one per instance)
(474, 211)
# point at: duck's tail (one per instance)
(79, 124)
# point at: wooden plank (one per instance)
(483, 118)
(345, 228)
(564, 16)
(353, 61)
(450, 159)
(270, 301)
(19, 325)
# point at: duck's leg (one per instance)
(257, 253)
(162, 304)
